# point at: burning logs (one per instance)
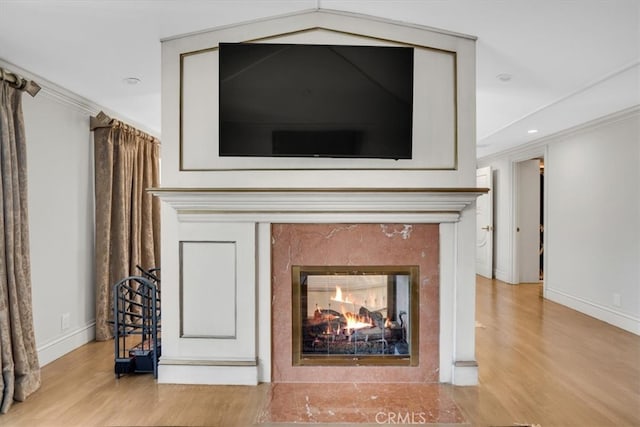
(367, 332)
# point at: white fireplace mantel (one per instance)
(432, 205)
(203, 224)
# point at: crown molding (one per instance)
(319, 14)
(63, 96)
(539, 144)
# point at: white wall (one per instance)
(592, 221)
(60, 173)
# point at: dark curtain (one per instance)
(127, 163)
(18, 356)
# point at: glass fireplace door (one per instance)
(355, 315)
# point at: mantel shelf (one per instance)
(267, 204)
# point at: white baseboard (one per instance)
(600, 312)
(206, 374)
(465, 373)
(502, 275)
(51, 351)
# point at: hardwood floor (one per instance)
(540, 364)
(543, 363)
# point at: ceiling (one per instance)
(569, 61)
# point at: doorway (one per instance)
(484, 223)
(530, 220)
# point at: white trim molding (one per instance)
(50, 351)
(444, 204)
(598, 311)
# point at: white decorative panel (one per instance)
(215, 293)
(208, 294)
(434, 109)
(434, 117)
(199, 103)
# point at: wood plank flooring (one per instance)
(543, 363)
(540, 364)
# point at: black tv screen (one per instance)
(292, 100)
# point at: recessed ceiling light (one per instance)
(504, 77)
(531, 131)
(131, 80)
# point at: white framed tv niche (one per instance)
(435, 112)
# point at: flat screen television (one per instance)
(299, 100)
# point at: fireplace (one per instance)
(266, 232)
(407, 254)
(355, 315)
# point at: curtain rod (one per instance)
(29, 86)
(101, 120)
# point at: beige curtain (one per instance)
(127, 216)
(18, 355)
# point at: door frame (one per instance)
(539, 152)
(490, 225)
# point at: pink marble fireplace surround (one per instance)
(355, 244)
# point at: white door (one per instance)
(484, 224)
(528, 223)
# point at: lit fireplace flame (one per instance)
(338, 296)
(355, 322)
